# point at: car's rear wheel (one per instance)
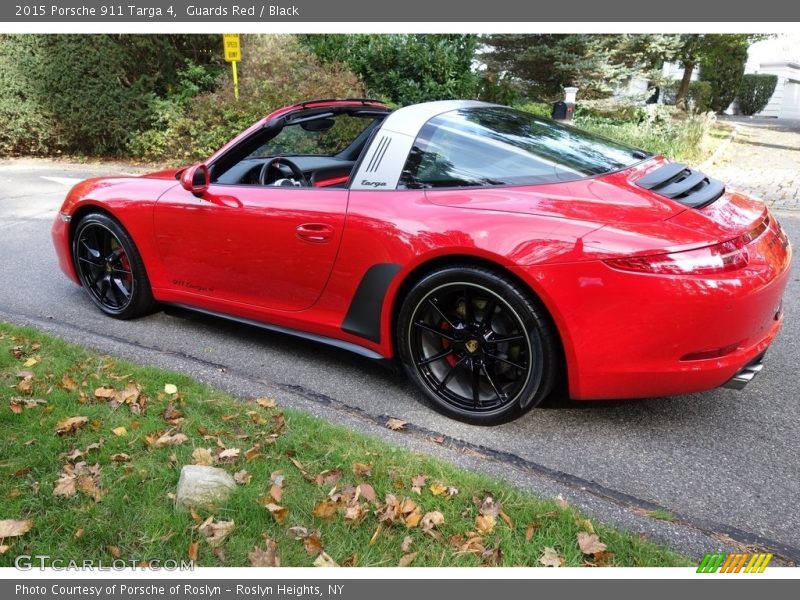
(110, 268)
(477, 345)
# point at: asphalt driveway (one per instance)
(724, 462)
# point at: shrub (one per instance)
(723, 67)
(87, 93)
(611, 109)
(699, 94)
(404, 68)
(755, 90)
(539, 109)
(663, 130)
(275, 71)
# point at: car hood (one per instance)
(607, 199)
(165, 174)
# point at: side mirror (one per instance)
(196, 179)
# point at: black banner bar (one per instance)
(369, 589)
(360, 11)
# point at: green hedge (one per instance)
(755, 91)
(86, 93)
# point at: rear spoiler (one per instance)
(682, 184)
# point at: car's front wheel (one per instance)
(477, 345)
(110, 268)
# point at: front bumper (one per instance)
(61, 243)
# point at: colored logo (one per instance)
(719, 562)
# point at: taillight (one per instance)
(719, 258)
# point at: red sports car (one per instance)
(496, 254)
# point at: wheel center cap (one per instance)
(471, 346)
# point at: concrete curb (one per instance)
(720, 149)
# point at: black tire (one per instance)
(110, 267)
(487, 371)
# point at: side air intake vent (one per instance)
(682, 184)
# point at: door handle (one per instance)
(318, 233)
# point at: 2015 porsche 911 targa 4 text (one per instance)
(498, 256)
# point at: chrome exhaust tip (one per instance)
(745, 376)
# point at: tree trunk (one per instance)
(683, 90)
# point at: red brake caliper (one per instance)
(451, 358)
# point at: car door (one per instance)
(270, 247)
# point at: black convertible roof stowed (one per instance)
(682, 184)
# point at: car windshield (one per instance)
(324, 136)
(502, 146)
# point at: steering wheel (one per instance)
(300, 180)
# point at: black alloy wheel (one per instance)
(476, 344)
(110, 268)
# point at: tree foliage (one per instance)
(544, 64)
(722, 55)
(722, 65)
(755, 91)
(404, 68)
(275, 71)
(87, 93)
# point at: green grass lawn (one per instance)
(124, 506)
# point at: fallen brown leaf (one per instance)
(362, 469)
(324, 560)
(325, 510)
(329, 477)
(396, 424)
(252, 454)
(366, 491)
(119, 431)
(551, 558)
(485, 524)
(432, 519)
(532, 527)
(215, 533)
(193, 551)
(202, 456)
(166, 439)
(65, 486)
(70, 425)
(267, 557)
(590, 543)
(407, 559)
(266, 402)
(279, 513)
(229, 454)
(437, 489)
(68, 383)
(313, 543)
(14, 528)
(243, 477)
(104, 393)
(506, 519)
(120, 457)
(418, 482)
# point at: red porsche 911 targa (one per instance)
(495, 254)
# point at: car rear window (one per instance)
(502, 146)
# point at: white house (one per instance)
(779, 56)
(775, 56)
